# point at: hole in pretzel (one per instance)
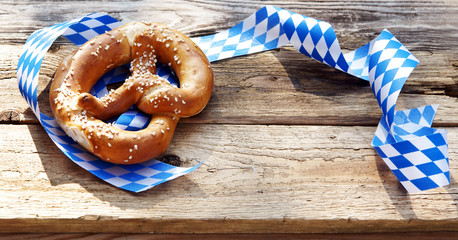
(83, 105)
(133, 119)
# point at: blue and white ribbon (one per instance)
(135, 178)
(416, 153)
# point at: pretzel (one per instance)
(81, 115)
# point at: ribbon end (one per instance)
(420, 163)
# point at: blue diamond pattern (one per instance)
(416, 153)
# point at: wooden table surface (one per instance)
(285, 139)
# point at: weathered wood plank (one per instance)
(259, 89)
(410, 20)
(120, 236)
(276, 87)
(259, 179)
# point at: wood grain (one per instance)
(276, 87)
(118, 236)
(260, 88)
(283, 179)
(354, 20)
(285, 140)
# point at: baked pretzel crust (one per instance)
(81, 115)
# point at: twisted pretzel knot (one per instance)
(81, 115)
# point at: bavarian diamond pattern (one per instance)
(270, 28)
(90, 26)
(416, 153)
(132, 120)
(384, 62)
(419, 164)
(32, 55)
(135, 178)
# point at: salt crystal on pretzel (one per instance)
(81, 115)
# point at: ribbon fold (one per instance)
(416, 153)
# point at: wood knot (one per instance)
(171, 159)
(9, 116)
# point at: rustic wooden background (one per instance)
(285, 139)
